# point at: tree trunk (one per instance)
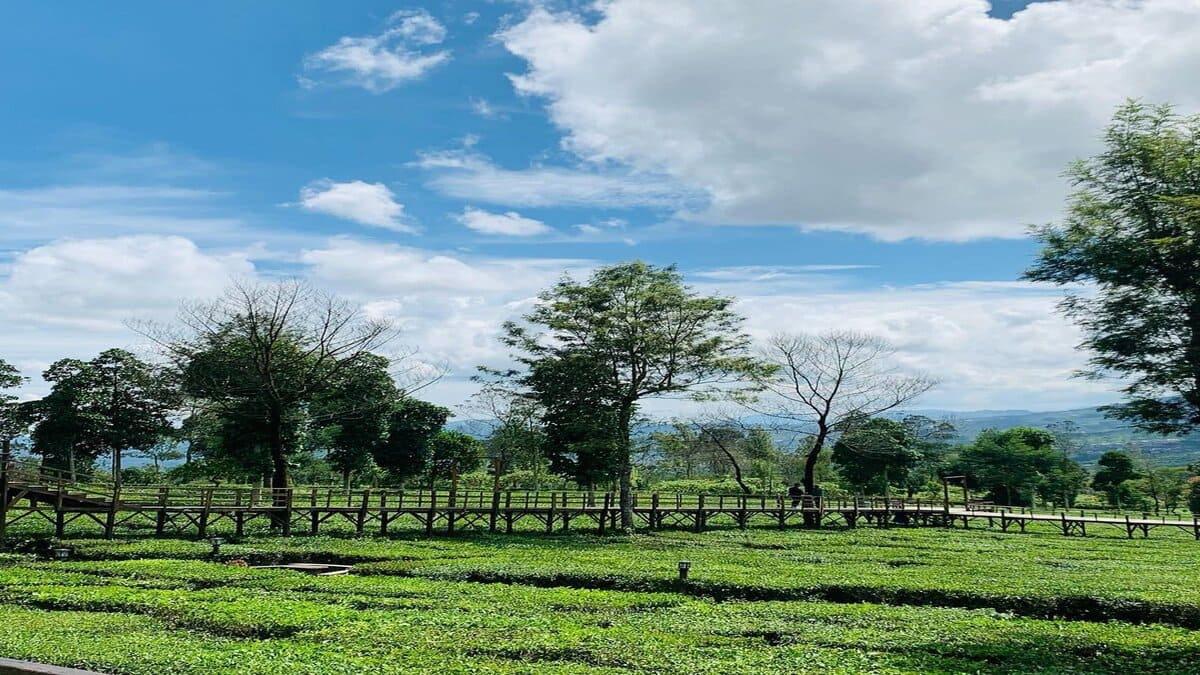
(810, 471)
(626, 467)
(737, 470)
(810, 462)
(279, 473)
(116, 466)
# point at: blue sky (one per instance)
(868, 165)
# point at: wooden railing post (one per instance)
(160, 518)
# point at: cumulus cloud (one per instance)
(366, 203)
(509, 223)
(898, 119)
(450, 306)
(70, 297)
(991, 344)
(380, 63)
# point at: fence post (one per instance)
(160, 518)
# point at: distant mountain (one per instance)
(1096, 433)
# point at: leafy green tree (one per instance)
(405, 453)
(452, 453)
(130, 401)
(264, 353)
(932, 441)
(64, 432)
(1014, 464)
(1193, 495)
(13, 418)
(112, 403)
(582, 426)
(645, 333)
(351, 416)
(1162, 485)
(875, 454)
(1116, 469)
(1132, 236)
(764, 456)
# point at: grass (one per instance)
(866, 600)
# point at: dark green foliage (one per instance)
(581, 424)
(1116, 470)
(13, 418)
(1011, 465)
(1133, 233)
(876, 454)
(351, 417)
(404, 454)
(636, 331)
(1193, 496)
(112, 403)
(451, 453)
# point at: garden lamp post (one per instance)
(61, 553)
(684, 567)
(216, 544)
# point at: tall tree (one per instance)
(1116, 469)
(64, 428)
(581, 422)
(404, 453)
(13, 418)
(647, 335)
(1014, 464)
(875, 454)
(263, 352)
(1132, 239)
(452, 453)
(829, 383)
(351, 416)
(112, 403)
(130, 401)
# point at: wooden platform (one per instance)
(31, 492)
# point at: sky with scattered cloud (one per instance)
(864, 164)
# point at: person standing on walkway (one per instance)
(796, 493)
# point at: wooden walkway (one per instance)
(32, 492)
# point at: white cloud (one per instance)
(450, 306)
(367, 203)
(481, 107)
(898, 119)
(380, 63)
(992, 345)
(467, 175)
(510, 223)
(36, 215)
(69, 298)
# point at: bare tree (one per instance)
(825, 384)
(263, 349)
(512, 424)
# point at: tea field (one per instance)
(770, 601)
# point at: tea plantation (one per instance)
(866, 600)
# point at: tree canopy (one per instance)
(1129, 248)
(637, 331)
